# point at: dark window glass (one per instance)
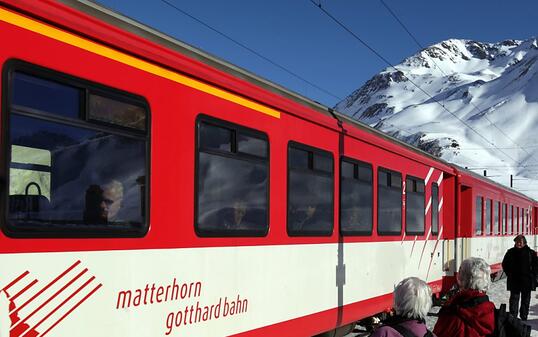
(365, 174)
(323, 163)
(511, 219)
(415, 208)
(435, 209)
(488, 217)
(478, 216)
(348, 170)
(355, 200)
(46, 96)
(117, 112)
(252, 145)
(496, 218)
(504, 226)
(298, 159)
(71, 177)
(389, 207)
(310, 194)
(233, 188)
(213, 137)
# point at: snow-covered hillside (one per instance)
(471, 103)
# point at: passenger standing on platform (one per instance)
(469, 313)
(412, 301)
(521, 267)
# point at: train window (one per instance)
(40, 94)
(232, 180)
(116, 112)
(69, 176)
(435, 209)
(414, 206)
(479, 220)
(511, 218)
(496, 217)
(516, 221)
(356, 198)
(389, 202)
(310, 191)
(487, 217)
(504, 228)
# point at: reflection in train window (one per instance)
(389, 202)
(310, 191)
(69, 176)
(415, 208)
(232, 180)
(356, 193)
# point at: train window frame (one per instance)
(234, 153)
(415, 180)
(357, 165)
(400, 189)
(311, 169)
(481, 213)
(435, 209)
(62, 228)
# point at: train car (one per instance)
(151, 189)
(490, 216)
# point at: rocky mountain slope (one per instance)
(471, 103)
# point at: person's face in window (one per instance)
(112, 199)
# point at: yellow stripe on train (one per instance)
(71, 39)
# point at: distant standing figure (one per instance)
(412, 301)
(469, 313)
(521, 267)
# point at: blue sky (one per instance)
(298, 36)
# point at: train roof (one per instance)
(132, 26)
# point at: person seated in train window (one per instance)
(103, 204)
(469, 313)
(412, 301)
(304, 217)
(234, 218)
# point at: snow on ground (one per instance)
(498, 294)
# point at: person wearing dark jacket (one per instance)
(469, 313)
(520, 265)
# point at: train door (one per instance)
(464, 224)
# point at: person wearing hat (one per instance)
(521, 267)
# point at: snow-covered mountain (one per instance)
(471, 103)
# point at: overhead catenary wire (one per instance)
(441, 70)
(244, 46)
(339, 23)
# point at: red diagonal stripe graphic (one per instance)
(14, 297)
(50, 299)
(48, 286)
(72, 309)
(15, 280)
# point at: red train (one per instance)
(151, 189)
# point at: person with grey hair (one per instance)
(521, 267)
(412, 301)
(469, 313)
